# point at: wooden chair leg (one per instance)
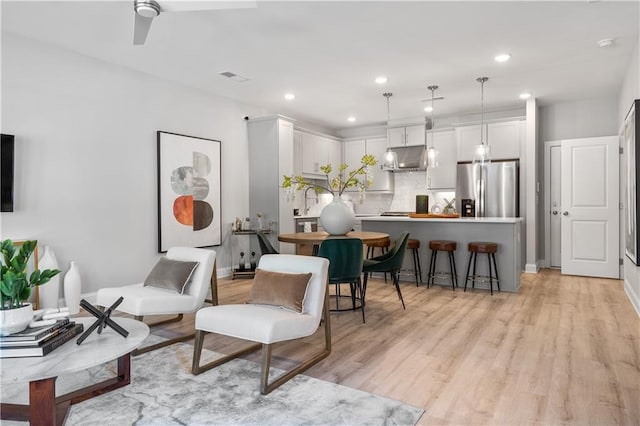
(162, 344)
(265, 386)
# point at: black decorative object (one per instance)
(104, 319)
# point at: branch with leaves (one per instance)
(335, 185)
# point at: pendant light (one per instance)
(482, 152)
(432, 154)
(390, 160)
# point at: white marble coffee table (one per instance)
(41, 372)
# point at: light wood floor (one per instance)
(564, 350)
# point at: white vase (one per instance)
(72, 289)
(14, 320)
(49, 293)
(337, 218)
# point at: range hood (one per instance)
(410, 158)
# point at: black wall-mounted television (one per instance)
(7, 149)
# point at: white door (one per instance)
(555, 214)
(590, 207)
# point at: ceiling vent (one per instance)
(233, 76)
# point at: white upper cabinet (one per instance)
(396, 136)
(310, 161)
(353, 152)
(502, 137)
(406, 136)
(334, 151)
(319, 151)
(468, 137)
(414, 135)
(382, 180)
(443, 176)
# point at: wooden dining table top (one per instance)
(319, 236)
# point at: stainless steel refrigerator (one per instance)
(489, 190)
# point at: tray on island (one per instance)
(434, 215)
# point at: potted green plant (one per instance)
(16, 285)
(336, 218)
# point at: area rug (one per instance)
(164, 392)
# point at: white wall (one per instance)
(86, 157)
(579, 119)
(629, 91)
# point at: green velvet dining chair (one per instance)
(389, 262)
(345, 267)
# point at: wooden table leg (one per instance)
(42, 402)
(46, 410)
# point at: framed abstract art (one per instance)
(188, 191)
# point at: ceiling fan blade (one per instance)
(140, 29)
(437, 98)
(187, 6)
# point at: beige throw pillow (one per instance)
(279, 289)
(170, 274)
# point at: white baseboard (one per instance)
(634, 298)
(531, 268)
(224, 272)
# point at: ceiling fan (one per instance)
(146, 10)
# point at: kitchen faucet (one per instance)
(306, 208)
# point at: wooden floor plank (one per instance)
(564, 350)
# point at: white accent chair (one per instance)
(271, 324)
(141, 301)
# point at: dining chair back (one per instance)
(389, 262)
(345, 267)
(265, 244)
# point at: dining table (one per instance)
(316, 238)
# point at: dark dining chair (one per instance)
(265, 244)
(345, 267)
(389, 262)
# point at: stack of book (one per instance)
(38, 341)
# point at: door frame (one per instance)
(547, 200)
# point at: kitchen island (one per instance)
(506, 232)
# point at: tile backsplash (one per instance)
(406, 186)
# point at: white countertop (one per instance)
(445, 220)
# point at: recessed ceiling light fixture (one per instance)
(289, 96)
(606, 42)
(525, 95)
(381, 79)
(503, 57)
(351, 119)
(428, 109)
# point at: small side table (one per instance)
(235, 272)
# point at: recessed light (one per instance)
(381, 79)
(525, 95)
(606, 42)
(351, 119)
(289, 96)
(428, 109)
(503, 57)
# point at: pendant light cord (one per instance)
(388, 95)
(482, 80)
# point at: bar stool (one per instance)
(414, 246)
(482, 247)
(384, 248)
(446, 246)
